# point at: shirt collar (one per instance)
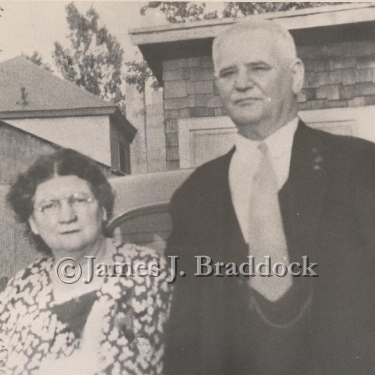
(279, 142)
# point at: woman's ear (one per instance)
(33, 226)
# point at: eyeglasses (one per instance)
(52, 208)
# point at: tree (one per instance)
(139, 73)
(37, 59)
(95, 58)
(180, 11)
(235, 10)
(192, 11)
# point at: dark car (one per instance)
(141, 207)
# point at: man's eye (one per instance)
(260, 68)
(227, 73)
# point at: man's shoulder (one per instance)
(343, 141)
(206, 176)
(342, 147)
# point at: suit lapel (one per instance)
(234, 248)
(302, 197)
(219, 220)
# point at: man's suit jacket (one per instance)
(328, 210)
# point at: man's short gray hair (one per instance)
(283, 36)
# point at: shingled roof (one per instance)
(29, 91)
(24, 86)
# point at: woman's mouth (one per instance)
(67, 232)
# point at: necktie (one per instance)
(266, 232)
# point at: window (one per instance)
(124, 153)
(148, 227)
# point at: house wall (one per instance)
(136, 115)
(338, 75)
(145, 111)
(155, 137)
(89, 135)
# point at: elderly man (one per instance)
(287, 193)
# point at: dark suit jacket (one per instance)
(328, 209)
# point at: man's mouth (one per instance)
(246, 101)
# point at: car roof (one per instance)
(135, 192)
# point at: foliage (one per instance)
(95, 58)
(193, 11)
(139, 73)
(37, 59)
(235, 10)
(180, 11)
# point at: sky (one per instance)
(28, 26)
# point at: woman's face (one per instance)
(66, 215)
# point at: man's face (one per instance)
(255, 79)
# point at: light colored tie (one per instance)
(266, 232)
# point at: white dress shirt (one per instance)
(244, 164)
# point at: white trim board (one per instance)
(357, 121)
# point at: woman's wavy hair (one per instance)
(65, 162)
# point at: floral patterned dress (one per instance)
(123, 332)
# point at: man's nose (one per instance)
(67, 213)
(243, 80)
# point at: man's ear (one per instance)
(298, 76)
(33, 226)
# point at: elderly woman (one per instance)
(111, 325)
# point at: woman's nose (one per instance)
(67, 213)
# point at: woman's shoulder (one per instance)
(141, 253)
(29, 274)
(34, 269)
(31, 278)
